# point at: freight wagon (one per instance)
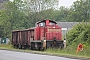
(46, 34)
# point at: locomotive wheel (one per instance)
(43, 49)
(62, 46)
(39, 48)
(15, 46)
(31, 48)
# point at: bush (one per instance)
(79, 34)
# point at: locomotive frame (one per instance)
(46, 34)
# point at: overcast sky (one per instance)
(66, 3)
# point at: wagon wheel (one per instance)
(20, 46)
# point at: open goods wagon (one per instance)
(46, 34)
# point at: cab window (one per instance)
(51, 23)
(42, 24)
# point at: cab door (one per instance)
(42, 31)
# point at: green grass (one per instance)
(68, 52)
(6, 46)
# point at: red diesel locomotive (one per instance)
(45, 34)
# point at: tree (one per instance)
(38, 9)
(11, 18)
(39, 5)
(62, 14)
(4, 24)
(17, 16)
(80, 11)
